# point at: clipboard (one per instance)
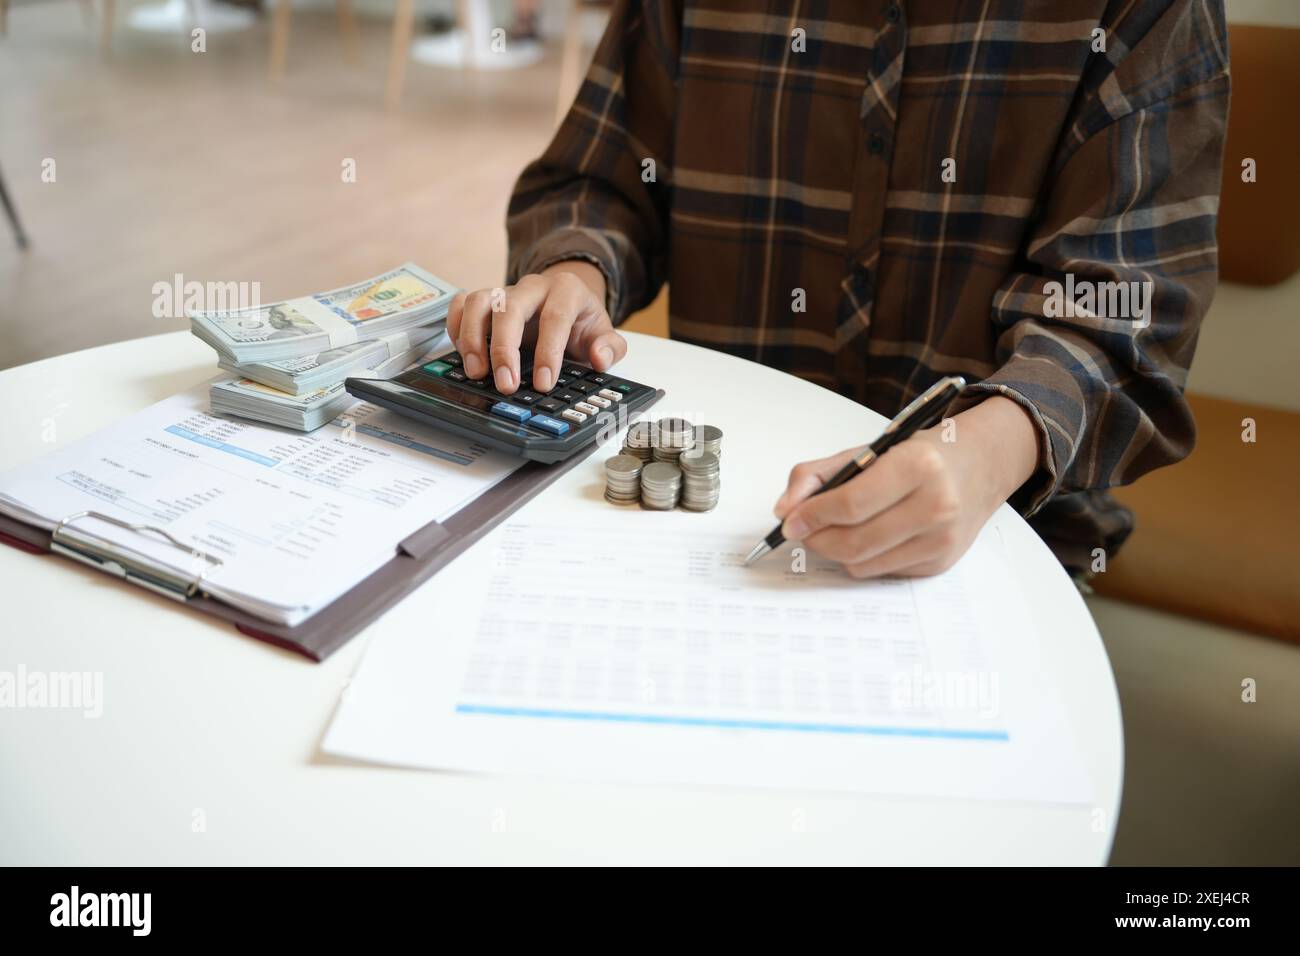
(417, 558)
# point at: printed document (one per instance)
(657, 656)
(295, 520)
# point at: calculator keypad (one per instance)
(580, 394)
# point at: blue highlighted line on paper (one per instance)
(185, 433)
(723, 723)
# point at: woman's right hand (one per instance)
(559, 312)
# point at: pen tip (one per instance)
(760, 549)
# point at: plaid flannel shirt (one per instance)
(871, 195)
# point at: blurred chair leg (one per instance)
(474, 17)
(279, 40)
(348, 27)
(19, 236)
(403, 24)
(106, 28)
(4, 17)
(570, 61)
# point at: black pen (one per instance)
(923, 412)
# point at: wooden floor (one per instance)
(169, 161)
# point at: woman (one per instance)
(882, 194)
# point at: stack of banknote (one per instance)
(290, 358)
(245, 398)
(311, 373)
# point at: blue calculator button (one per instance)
(547, 423)
(512, 412)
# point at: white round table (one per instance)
(207, 749)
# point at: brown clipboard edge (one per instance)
(419, 556)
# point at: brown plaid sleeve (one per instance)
(1132, 199)
(600, 190)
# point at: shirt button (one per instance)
(893, 13)
(876, 144)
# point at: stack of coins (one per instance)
(623, 480)
(701, 480)
(640, 441)
(661, 486)
(708, 438)
(672, 437)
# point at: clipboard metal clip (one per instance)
(109, 558)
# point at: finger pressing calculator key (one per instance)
(542, 426)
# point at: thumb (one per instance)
(605, 350)
(594, 342)
(807, 477)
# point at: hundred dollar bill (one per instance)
(307, 373)
(399, 291)
(394, 301)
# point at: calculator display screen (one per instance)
(432, 385)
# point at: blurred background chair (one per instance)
(281, 22)
(178, 18)
(11, 213)
(87, 16)
(584, 20)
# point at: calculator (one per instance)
(546, 427)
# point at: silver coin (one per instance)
(662, 472)
(673, 433)
(661, 486)
(666, 453)
(623, 479)
(701, 464)
(640, 435)
(708, 434)
(695, 451)
(671, 496)
(623, 466)
(699, 506)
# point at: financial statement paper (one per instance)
(603, 651)
(294, 519)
